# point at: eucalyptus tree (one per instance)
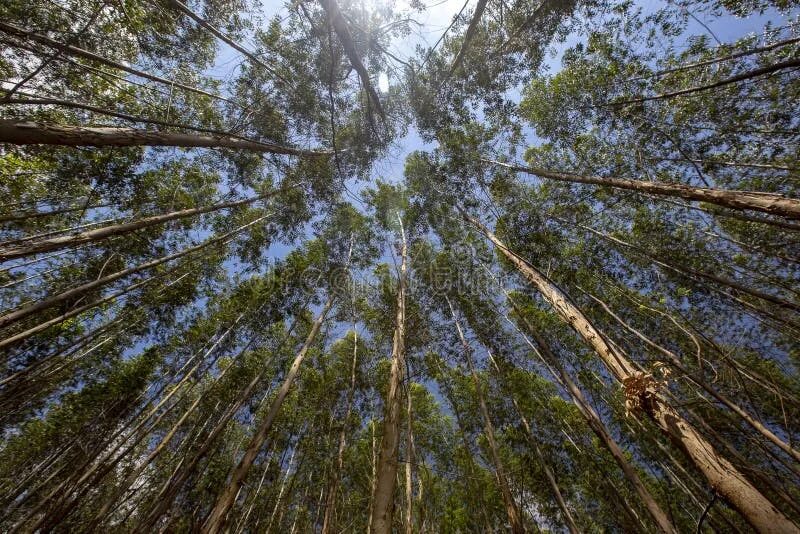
(585, 282)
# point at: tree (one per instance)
(222, 308)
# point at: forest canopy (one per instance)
(400, 266)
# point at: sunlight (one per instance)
(383, 82)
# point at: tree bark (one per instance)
(720, 473)
(216, 520)
(409, 515)
(480, 7)
(39, 133)
(675, 361)
(595, 423)
(692, 273)
(74, 51)
(773, 204)
(383, 497)
(24, 216)
(343, 33)
(82, 289)
(333, 486)
(551, 479)
(735, 55)
(183, 8)
(514, 519)
(11, 251)
(471, 463)
(747, 75)
(182, 472)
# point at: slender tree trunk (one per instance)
(82, 289)
(74, 51)
(743, 53)
(771, 203)
(183, 8)
(739, 216)
(38, 133)
(12, 251)
(343, 33)
(471, 463)
(374, 479)
(673, 360)
(383, 497)
(480, 7)
(686, 271)
(409, 518)
(542, 347)
(333, 486)
(134, 475)
(24, 216)
(720, 473)
(243, 521)
(281, 490)
(60, 509)
(183, 471)
(551, 479)
(747, 75)
(626, 507)
(216, 520)
(514, 518)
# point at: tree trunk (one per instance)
(333, 486)
(771, 203)
(383, 498)
(216, 520)
(551, 479)
(24, 216)
(720, 473)
(86, 54)
(12, 251)
(689, 272)
(480, 7)
(747, 75)
(38, 133)
(281, 490)
(182, 472)
(343, 33)
(448, 393)
(82, 289)
(514, 519)
(57, 511)
(374, 479)
(673, 360)
(183, 8)
(596, 424)
(409, 523)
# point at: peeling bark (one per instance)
(773, 204)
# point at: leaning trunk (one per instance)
(12, 251)
(739, 200)
(514, 518)
(551, 479)
(720, 473)
(330, 501)
(36, 133)
(216, 520)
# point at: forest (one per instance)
(413, 266)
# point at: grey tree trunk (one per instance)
(739, 200)
(38, 133)
(383, 497)
(216, 520)
(719, 472)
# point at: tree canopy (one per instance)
(335, 267)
